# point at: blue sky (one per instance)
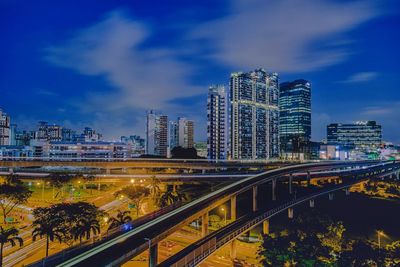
(104, 63)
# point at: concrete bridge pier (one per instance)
(308, 178)
(266, 227)
(331, 196)
(274, 189)
(347, 190)
(255, 193)
(10, 170)
(398, 175)
(108, 171)
(312, 203)
(203, 171)
(290, 213)
(290, 183)
(233, 252)
(204, 224)
(153, 255)
(233, 208)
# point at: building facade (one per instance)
(359, 135)
(4, 129)
(185, 133)
(254, 115)
(156, 134)
(295, 119)
(217, 122)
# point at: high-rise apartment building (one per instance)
(181, 133)
(48, 132)
(295, 119)
(254, 115)
(217, 122)
(364, 134)
(156, 134)
(185, 133)
(4, 129)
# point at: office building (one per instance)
(156, 134)
(4, 129)
(48, 132)
(295, 119)
(254, 115)
(358, 135)
(173, 134)
(217, 122)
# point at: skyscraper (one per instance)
(363, 134)
(156, 134)
(173, 134)
(185, 133)
(295, 119)
(217, 122)
(254, 115)
(4, 129)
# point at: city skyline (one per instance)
(139, 54)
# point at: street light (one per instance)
(224, 211)
(380, 233)
(132, 181)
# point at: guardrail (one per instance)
(205, 249)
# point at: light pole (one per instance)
(224, 211)
(379, 233)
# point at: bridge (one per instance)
(340, 175)
(109, 164)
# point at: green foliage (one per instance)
(8, 235)
(170, 196)
(12, 195)
(121, 218)
(135, 193)
(66, 222)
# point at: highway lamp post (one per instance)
(224, 211)
(379, 233)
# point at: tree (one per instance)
(11, 196)
(47, 224)
(12, 179)
(87, 179)
(361, 254)
(135, 193)
(170, 196)
(121, 218)
(9, 235)
(184, 153)
(84, 228)
(154, 187)
(58, 181)
(393, 254)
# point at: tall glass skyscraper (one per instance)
(254, 115)
(363, 134)
(4, 129)
(295, 119)
(217, 122)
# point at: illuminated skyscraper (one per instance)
(254, 115)
(364, 134)
(4, 129)
(156, 134)
(295, 119)
(217, 122)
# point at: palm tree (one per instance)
(154, 186)
(84, 228)
(12, 179)
(47, 226)
(121, 218)
(87, 179)
(170, 196)
(9, 235)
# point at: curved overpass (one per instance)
(132, 243)
(199, 251)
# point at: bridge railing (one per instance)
(204, 250)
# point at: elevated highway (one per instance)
(122, 248)
(139, 163)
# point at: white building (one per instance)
(156, 134)
(4, 129)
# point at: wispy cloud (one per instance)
(361, 77)
(44, 92)
(142, 78)
(286, 35)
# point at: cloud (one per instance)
(286, 35)
(141, 77)
(361, 77)
(44, 92)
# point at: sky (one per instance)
(103, 63)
